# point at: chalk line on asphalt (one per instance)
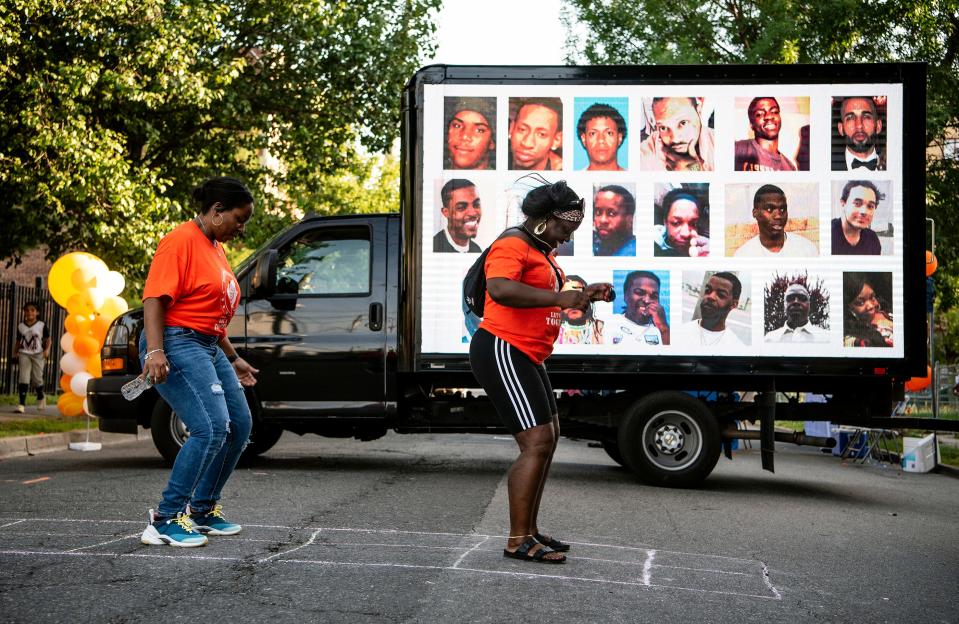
(649, 563)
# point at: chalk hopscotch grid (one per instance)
(476, 543)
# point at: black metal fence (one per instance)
(12, 298)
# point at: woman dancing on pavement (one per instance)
(520, 324)
(188, 301)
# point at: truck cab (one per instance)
(312, 318)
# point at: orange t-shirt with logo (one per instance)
(194, 273)
(531, 330)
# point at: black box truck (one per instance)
(799, 188)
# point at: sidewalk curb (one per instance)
(23, 446)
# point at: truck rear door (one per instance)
(319, 342)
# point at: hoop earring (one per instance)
(216, 223)
(539, 229)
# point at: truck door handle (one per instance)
(376, 316)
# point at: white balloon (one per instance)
(97, 297)
(71, 363)
(111, 283)
(78, 384)
(66, 342)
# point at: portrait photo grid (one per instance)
(732, 220)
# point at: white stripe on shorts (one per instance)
(511, 382)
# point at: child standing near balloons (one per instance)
(32, 350)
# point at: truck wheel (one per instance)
(262, 438)
(169, 433)
(612, 449)
(670, 439)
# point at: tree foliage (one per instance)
(799, 31)
(111, 111)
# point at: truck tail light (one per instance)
(113, 364)
(117, 335)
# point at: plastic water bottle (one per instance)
(133, 389)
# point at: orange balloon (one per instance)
(77, 324)
(918, 384)
(72, 406)
(99, 328)
(65, 383)
(94, 367)
(932, 263)
(63, 401)
(86, 346)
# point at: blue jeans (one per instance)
(204, 391)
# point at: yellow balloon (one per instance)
(113, 307)
(83, 276)
(59, 278)
(79, 303)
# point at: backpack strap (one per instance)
(535, 245)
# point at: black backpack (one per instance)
(474, 283)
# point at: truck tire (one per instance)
(670, 439)
(612, 449)
(169, 433)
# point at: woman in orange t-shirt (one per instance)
(520, 324)
(188, 300)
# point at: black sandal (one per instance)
(554, 544)
(523, 553)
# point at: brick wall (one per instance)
(34, 265)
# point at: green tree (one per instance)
(799, 31)
(111, 111)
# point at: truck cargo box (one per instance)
(721, 178)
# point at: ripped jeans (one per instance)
(204, 391)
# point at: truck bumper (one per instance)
(114, 413)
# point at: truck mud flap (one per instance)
(766, 405)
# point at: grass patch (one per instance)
(33, 426)
(944, 414)
(949, 455)
(13, 399)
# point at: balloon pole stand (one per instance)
(87, 445)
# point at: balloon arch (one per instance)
(90, 292)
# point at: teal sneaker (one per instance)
(177, 531)
(213, 523)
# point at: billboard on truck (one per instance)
(785, 201)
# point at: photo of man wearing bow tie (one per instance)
(858, 142)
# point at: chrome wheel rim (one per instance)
(178, 430)
(672, 440)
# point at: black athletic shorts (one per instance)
(519, 389)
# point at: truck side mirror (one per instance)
(263, 279)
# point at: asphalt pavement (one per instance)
(411, 529)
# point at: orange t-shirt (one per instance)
(531, 330)
(195, 275)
